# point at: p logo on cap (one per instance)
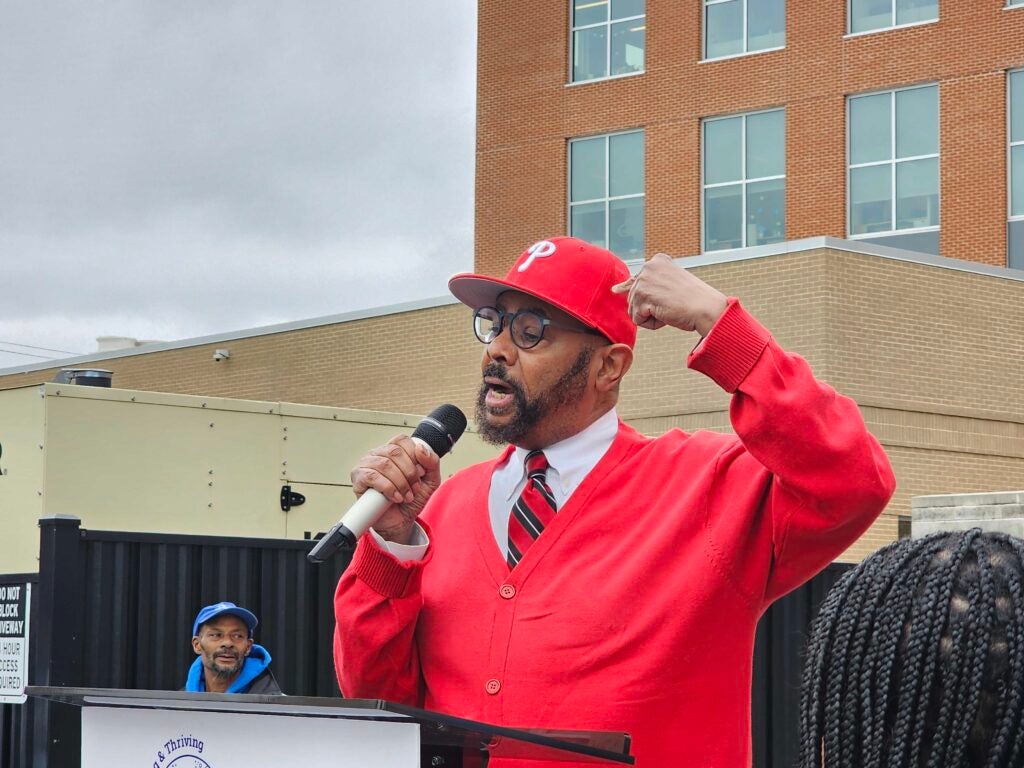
(539, 250)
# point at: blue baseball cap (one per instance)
(210, 612)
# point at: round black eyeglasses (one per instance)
(525, 326)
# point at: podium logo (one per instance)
(181, 752)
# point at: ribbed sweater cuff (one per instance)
(382, 571)
(729, 352)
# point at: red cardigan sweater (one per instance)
(636, 608)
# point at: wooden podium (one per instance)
(169, 729)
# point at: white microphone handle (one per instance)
(365, 512)
(369, 507)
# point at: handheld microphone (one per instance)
(438, 432)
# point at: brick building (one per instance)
(691, 127)
(914, 339)
(853, 171)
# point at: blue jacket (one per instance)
(255, 676)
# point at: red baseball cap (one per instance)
(567, 273)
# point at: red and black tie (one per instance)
(533, 510)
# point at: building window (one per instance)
(1012, 3)
(735, 27)
(869, 15)
(1016, 235)
(607, 38)
(744, 180)
(893, 153)
(606, 192)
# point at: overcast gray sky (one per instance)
(175, 169)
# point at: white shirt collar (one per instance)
(573, 458)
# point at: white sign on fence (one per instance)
(14, 608)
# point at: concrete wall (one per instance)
(1002, 512)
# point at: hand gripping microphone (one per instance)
(438, 432)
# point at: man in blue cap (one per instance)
(228, 660)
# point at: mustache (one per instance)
(500, 372)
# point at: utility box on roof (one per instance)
(145, 461)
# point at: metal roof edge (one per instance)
(265, 330)
(852, 246)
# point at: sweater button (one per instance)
(507, 591)
(493, 686)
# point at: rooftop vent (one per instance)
(85, 377)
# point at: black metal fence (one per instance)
(115, 610)
(778, 666)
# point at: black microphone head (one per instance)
(441, 428)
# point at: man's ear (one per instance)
(616, 360)
(196, 646)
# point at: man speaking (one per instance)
(590, 577)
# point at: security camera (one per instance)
(221, 354)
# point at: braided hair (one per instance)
(916, 659)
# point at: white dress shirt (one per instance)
(569, 461)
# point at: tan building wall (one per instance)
(932, 353)
(413, 358)
(526, 114)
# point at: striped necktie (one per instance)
(533, 510)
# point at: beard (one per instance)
(528, 413)
(222, 670)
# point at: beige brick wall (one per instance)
(400, 362)
(526, 113)
(933, 356)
